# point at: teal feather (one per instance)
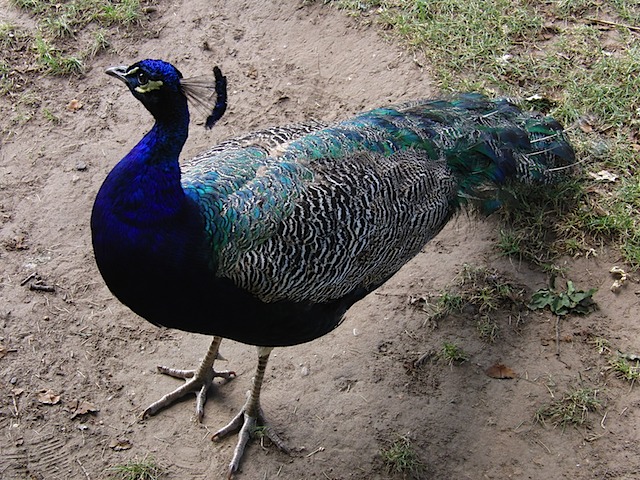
(250, 190)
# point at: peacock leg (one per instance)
(197, 381)
(251, 418)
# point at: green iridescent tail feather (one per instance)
(491, 143)
(486, 144)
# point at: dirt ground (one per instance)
(338, 400)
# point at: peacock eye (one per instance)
(142, 78)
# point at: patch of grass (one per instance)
(487, 289)
(6, 82)
(50, 116)
(27, 104)
(602, 345)
(488, 328)
(64, 19)
(54, 61)
(572, 409)
(458, 36)
(35, 6)
(452, 353)
(61, 42)
(579, 54)
(59, 26)
(137, 469)
(481, 290)
(446, 304)
(125, 12)
(9, 34)
(625, 366)
(626, 369)
(534, 221)
(401, 458)
(100, 42)
(511, 243)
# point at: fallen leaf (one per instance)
(604, 176)
(81, 408)
(48, 397)
(17, 392)
(120, 444)
(620, 278)
(585, 126)
(74, 105)
(500, 371)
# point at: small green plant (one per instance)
(259, 432)
(59, 26)
(626, 369)
(563, 303)
(99, 43)
(50, 116)
(488, 328)
(487, 290)
(53, 61)
(137, 469)
(602, 345)
(452, 353)
(571, 409)
(447, 303)
(125, 12)
(401, 458)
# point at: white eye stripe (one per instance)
(149, 86)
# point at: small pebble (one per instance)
(81, 166)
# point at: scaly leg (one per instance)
(250, 417)
(197, 381)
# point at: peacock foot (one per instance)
(248, 426)
(196, 381)
(194, 384)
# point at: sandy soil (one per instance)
(338, 400)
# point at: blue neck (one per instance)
(144, 187)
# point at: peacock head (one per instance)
(154, 82)
(162, 90)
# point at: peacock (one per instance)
(270, 237)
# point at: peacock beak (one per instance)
(118, 72)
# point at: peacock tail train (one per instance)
(309, 213)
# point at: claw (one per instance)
(247, 426)
(196, 381)
(250, 417)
